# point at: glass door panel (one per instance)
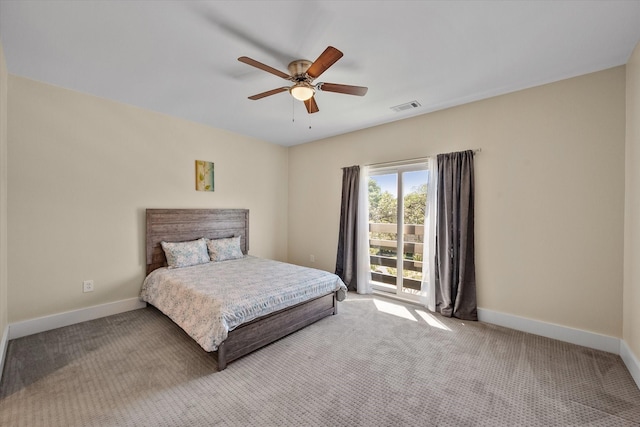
(396, 229)
(414, 194)
(383, 232)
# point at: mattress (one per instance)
(209, 300)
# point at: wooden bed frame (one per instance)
(177, 225)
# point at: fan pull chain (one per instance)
(293, 113)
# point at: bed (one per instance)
(235, 306)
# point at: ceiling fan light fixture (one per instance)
(302, 73)
(302, 91)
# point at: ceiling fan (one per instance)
(302, 73)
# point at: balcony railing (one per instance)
(413, 236)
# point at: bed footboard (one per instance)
(265, 330)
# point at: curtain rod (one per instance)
(475, 151)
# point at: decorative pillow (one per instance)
(184, 254)
(224, 249)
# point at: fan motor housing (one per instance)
(298, 69)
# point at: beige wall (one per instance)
(3, 194)
(631, 329)
(549, 201)
(82, 172)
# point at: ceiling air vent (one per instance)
(406, 106)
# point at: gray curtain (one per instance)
(455, 273)
(347, 258)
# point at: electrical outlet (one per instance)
(312, 258)
(87, 286)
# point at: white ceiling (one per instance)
(180, 57)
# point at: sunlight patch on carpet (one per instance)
(394, 309)
(432, 321)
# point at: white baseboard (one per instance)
(4, 343)
(46, 323)
(550, 330)
(631, 361)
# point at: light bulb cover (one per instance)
(302, 91)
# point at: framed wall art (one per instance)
(204, 176)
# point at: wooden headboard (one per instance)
(179, 225)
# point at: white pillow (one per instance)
(184, 254)
(224, 249)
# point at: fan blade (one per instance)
(346, 89)
(324, 61)
(311, 105)
(264, 67)
(269, 93)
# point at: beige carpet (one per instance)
(376, 363)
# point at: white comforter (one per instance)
(209, 300)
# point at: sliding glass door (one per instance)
(397, 202)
